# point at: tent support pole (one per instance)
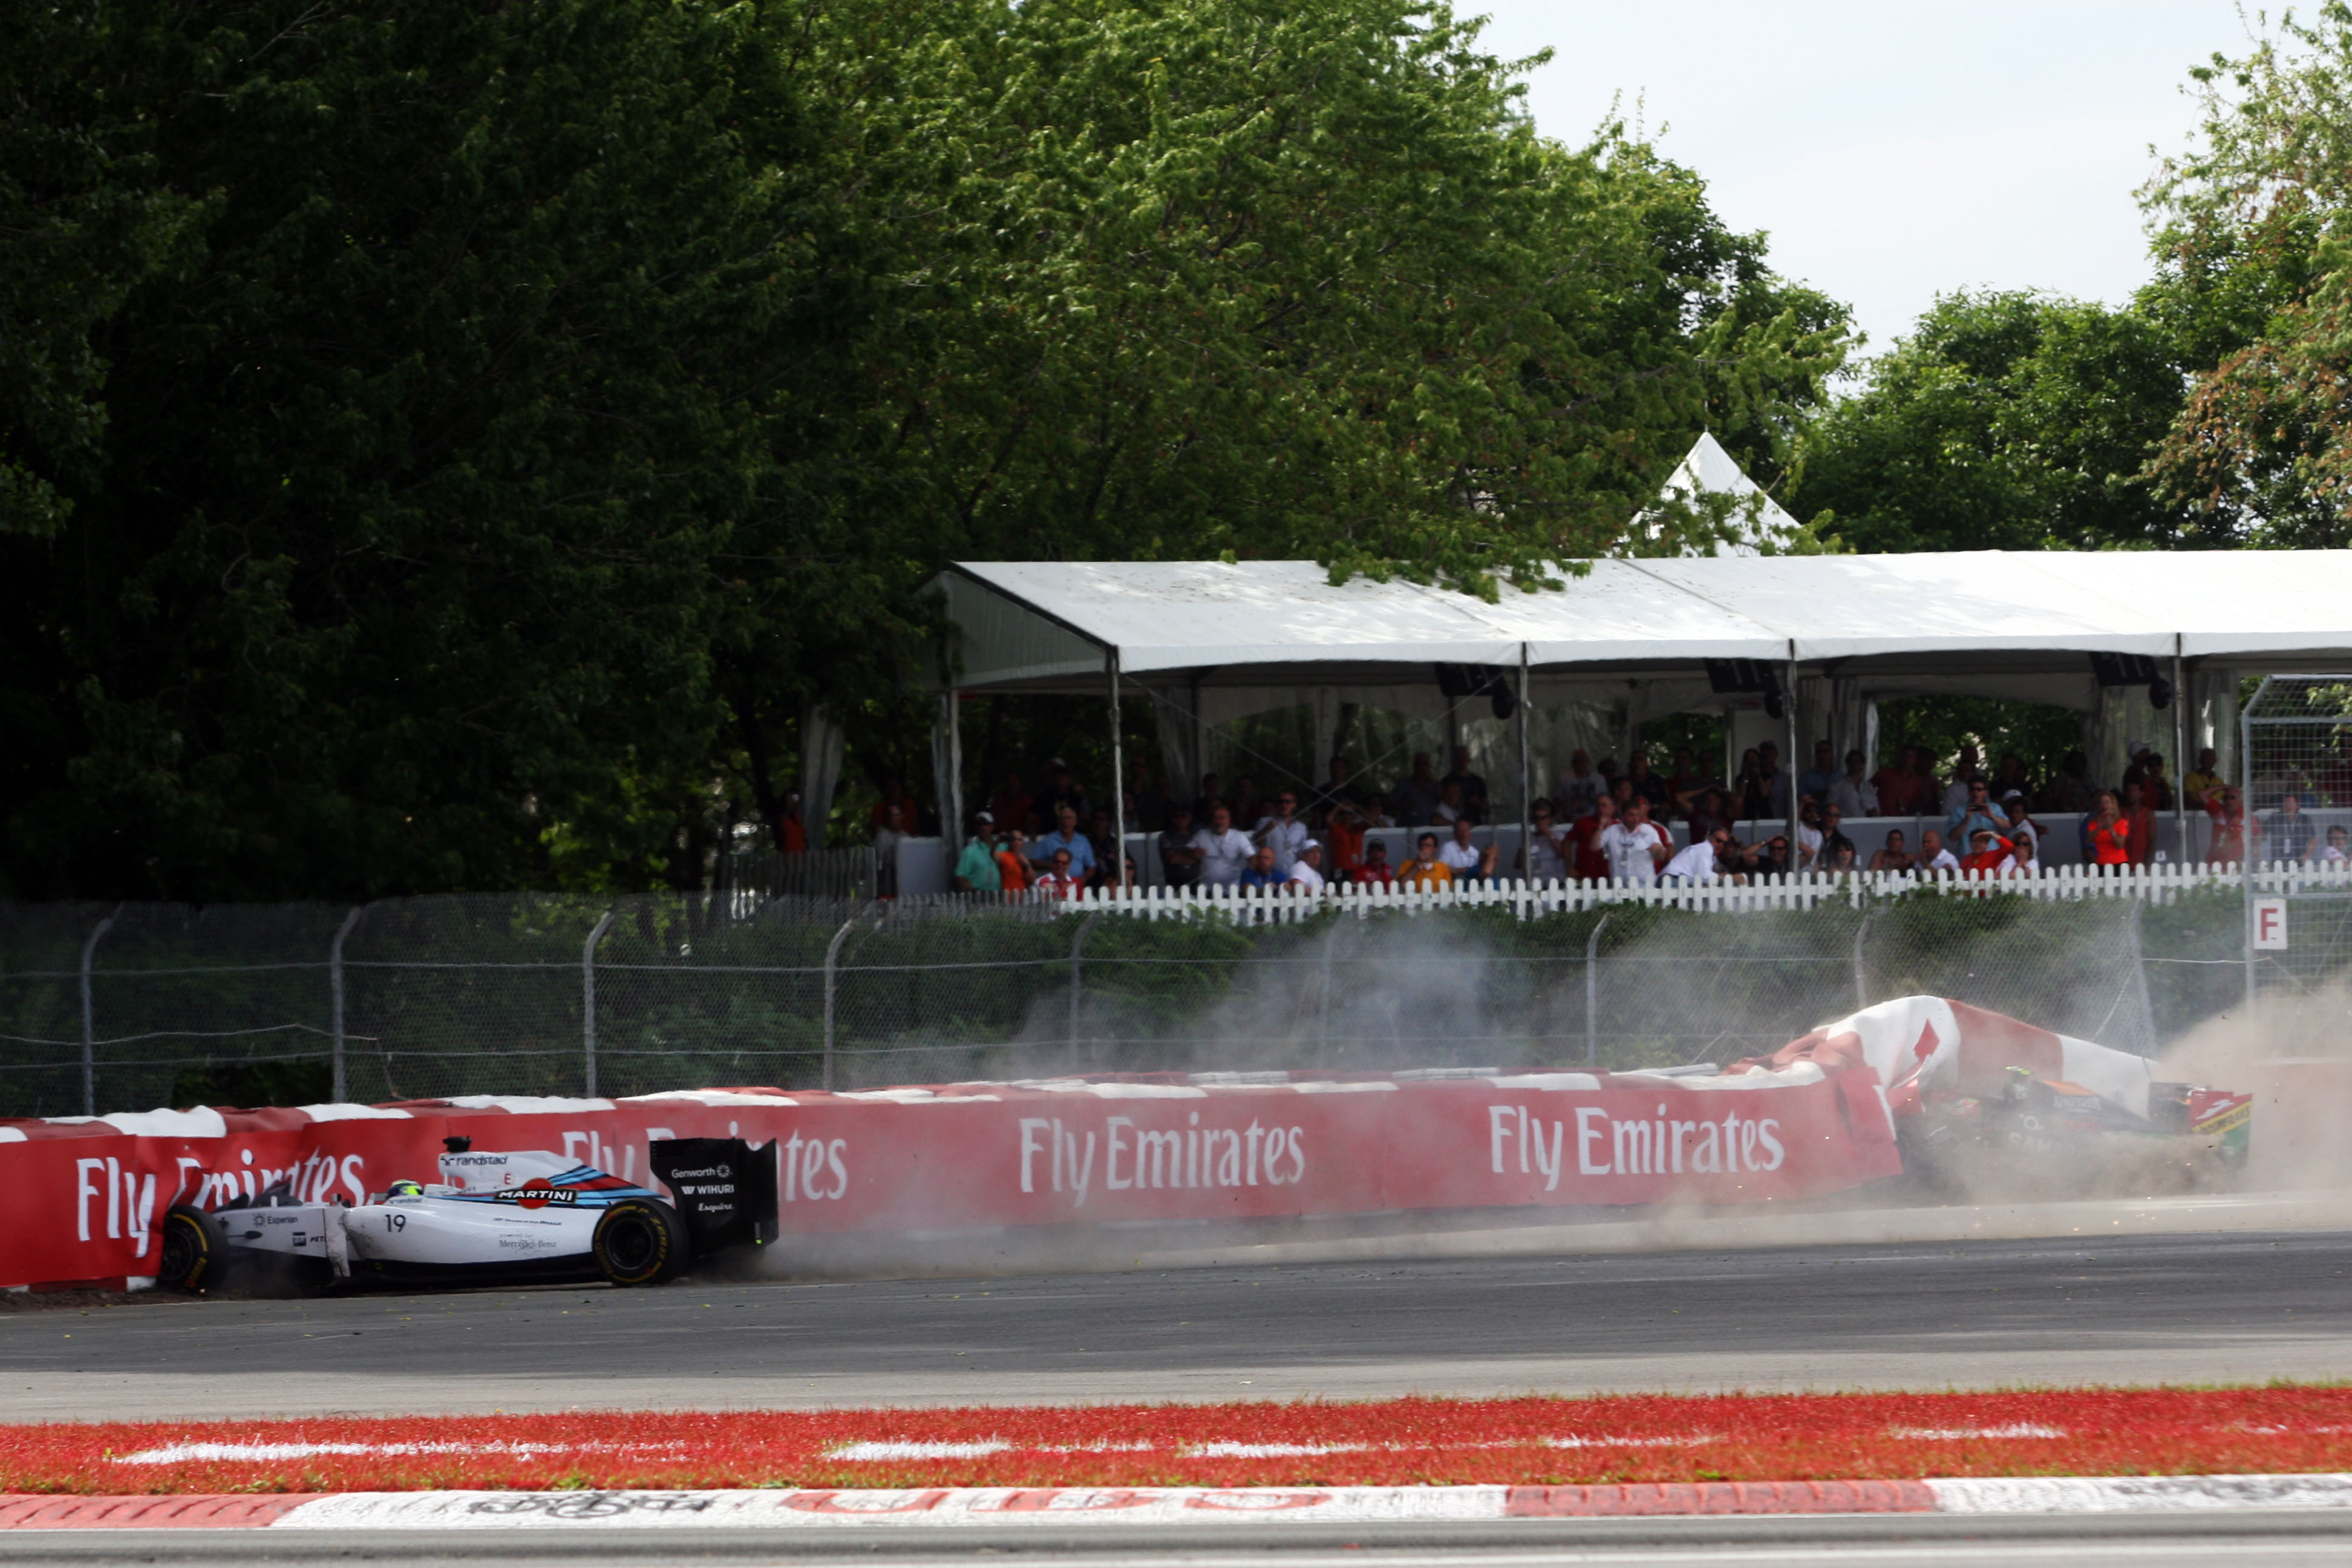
(2179, 751)
(1789, 762)
(1200, 742)
(951, 831)
(1118, 781)
(1527, 784)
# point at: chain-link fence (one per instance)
(2296, 740)
(132, 1006)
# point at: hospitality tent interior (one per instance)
(1623, 642)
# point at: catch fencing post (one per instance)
(1860, 990)
(1077, 980)
(588, 1005)
(832, 953)
(89, 1019)
(1592, 993)
(342, 1094)
(2246, 832)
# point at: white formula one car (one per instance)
(521, 1214)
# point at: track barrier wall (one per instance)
(81, 1202)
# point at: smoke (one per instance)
(1467, 989)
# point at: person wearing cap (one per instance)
(1307, 869)
(975, 870)
(2020, 820)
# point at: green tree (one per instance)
(494, 425)
(395, 560)
(1301, 279)
(2256, 246)
(2005, 421)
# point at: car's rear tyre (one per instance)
(641, 1241)
(196, 1254)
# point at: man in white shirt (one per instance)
(1703, 861)
(1634, 847)
(1307, 870)
(1933, 855)
(1578, 787)
(1465, 859)
(1283, 832)
(1852, 794)
(1808, 835)
(1224, 849)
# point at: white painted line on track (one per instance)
(2139, 1494)
(871, 1510)
(917, 1507)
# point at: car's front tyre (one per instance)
(641, 1241)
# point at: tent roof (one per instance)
(1050, 625)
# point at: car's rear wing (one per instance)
(725, 1189)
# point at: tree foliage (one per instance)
(2257, 246)
(2006, 421)
(445, 447)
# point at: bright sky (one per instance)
(1895, 150)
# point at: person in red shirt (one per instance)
(1012, 866)
(2107, 835)
(2140, 812)
(1376, 871)
(1990, 858)
(1586, 859)
(1902, 791)
(1056, 882)
(1345, 829)
(2227, 807)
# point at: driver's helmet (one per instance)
(404, 1189)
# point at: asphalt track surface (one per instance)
(2217, 1307)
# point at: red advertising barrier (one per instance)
(80, 1201)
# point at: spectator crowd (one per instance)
(1605, 821)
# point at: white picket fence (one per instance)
(1801, 890)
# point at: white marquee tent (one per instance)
(1211, 641)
